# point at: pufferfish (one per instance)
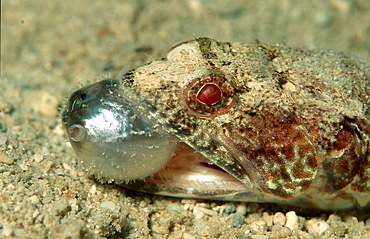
(232, 121)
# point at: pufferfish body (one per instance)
(231, 121)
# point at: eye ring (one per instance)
(210, 95)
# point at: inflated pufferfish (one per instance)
(231, 121)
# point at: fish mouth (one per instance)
(115, 142)
(190, 174)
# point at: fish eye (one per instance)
(83, 96)
(209, 95)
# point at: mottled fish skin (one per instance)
(293, 125)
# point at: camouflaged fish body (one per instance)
(286, 125)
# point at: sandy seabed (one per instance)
(51, 48)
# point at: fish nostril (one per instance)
(77, 133)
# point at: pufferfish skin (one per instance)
(232, 121)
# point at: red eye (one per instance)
(209, 94)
